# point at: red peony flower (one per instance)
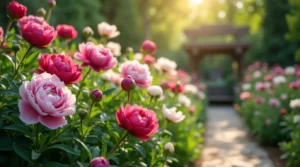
(177, 87)
(62, 66)
(66, 31)
(283, 111)
(15, 10)
(38, 35)
(148, 47)
(138, 121)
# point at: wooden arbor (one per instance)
(197, 51)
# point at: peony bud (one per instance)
(96, 95)
(99, 162)
(148, 47)
(41, 12)
(51, 3)
(16, 48)
(169, 148)
(155, 91)
(15, 10)
(82, 114)
(88, 32)
(128, 83)
(283, 111)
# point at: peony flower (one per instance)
(171, 114)
(245, 95)
(87, 32)
(108, 31)
(184, 100)
(38, 35)
(95, 56)
(62, 66)
(47, 100)
(290, 70)
(138, 121)
(27, 19)
(279, 80)
(256, 74)
(176, 87)
(149, 59)
(99, 162)
(148, 47)
(166, 65)
(155, 91)
(295, 104)
(259, 86)
(274, 102)
(294, 85)
(268, 78)
(114, 47)
(128, 83)
(246, 86)
(66, 31)
(278, 70)
(189, 88)
(169, 148)
(283, 111)
(138, 56)
(139, 72)
(1, 33)
(96, 95)
(15, 10)
(259, 100)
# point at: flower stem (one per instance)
(81, 83)
(82, 138)
(118, 144)
(17, 70)
(6, 31)
(151, 98)
(91, 109)
(37, 136)
(49, 15)
(165, 160)
(128, 97)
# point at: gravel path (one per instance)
(227, 144)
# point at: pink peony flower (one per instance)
(27, 19)
(108, 31)
(47, 100)
(99, 162)
(268, 78)
(139, 72)
(177, 87)
(295, 85)
(96, 56)
(149, 59)
(148, 47)
(259, 100)
(66, 31)
(15, 10)
(38, 35)
(278, 70)
(62, 66)
(1, 33)
(260, 86)
(245, 95)
(138, 121)
(274, 102)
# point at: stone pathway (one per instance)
(227, 144)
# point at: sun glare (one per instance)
(196, 2)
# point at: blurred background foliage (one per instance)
(274, 25)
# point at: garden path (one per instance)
(227, 143)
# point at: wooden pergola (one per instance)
(198, 50)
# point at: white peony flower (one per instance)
(290, 70)
(169, 148)
(171, 114)
(109, 31)
(155, 91)
(189, 88)
(256, 74)
(296, 119)
(201, 95)
(182, 99)
(166, 65)
(279, 80)
(114, 47)
(138, 56)
(295, 104)
(246, 86)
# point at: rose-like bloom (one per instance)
(155, 91)
(38, 35)
(148, 59)
(268, 78)
(171, 114)
(1, 33)
(108, 31)
(256, 74)
(260, 86)
(15, 10)
(66, 31)
(62, 66)
(245, 95)
(295, 104)
(183, 76)
(27, 19)
(274, 102)
(278, 70)
(283, 111)
(99, 162)
(148, 47)
(295, 85)
(246, 86)
(166, 65)
(96, 56)
(138, 121)
(279, 80)
(184, 100)
(139, 72)
(189, 88)
(169, 148)
(176, 87)
(114, 47)
(47, 100)
(290, 70)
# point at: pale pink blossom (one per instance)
(106, 30)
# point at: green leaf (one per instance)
(85, 148)
(53, 164)
(35, 155)
(13, 85)
(140, 149)
(10, 59)
(110, 156)
(66, 148)
(19, 128)
(109, 91)
(81, 164)
(96, 152)
(9, 91)
(104, 147)
(25, 154)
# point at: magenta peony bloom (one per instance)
(138, 121)
(15, 10)
(99, 162)
(66, 31)
(148, 47)
(274, 102)
(96, 56)
(96, 95)
(47, 100)
(27, 19)
(128, 83)
(38, 35)
(62, 66)
(1, 33)
(139, 72)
